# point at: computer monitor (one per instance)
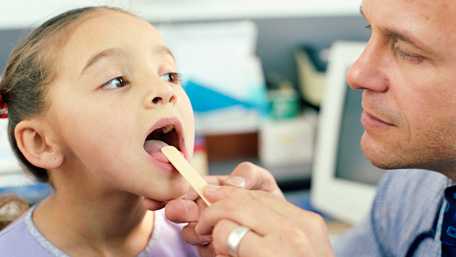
(343, 180)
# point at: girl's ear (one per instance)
(37, 143)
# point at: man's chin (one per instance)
(386, 161)
(377, 154)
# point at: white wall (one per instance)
(163, 10)
(23, 13)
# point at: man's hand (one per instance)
(187, 209)
(277, 227)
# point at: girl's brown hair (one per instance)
(29, 70)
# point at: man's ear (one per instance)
(37, 143)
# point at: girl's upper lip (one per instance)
(178, 127)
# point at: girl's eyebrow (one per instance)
(163, 50)
(100, 55)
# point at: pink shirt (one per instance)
(22, 239)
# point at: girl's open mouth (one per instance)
(164, 132)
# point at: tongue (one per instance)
(153, 147)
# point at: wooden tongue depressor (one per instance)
(192, 176)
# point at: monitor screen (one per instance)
(343, 180)
(351, 164)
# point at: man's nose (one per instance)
(368, 71)
(160, 95)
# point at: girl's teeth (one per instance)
(167, 129)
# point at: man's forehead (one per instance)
(428, 25)
(424, 8)
(435, 10)
(420, 16)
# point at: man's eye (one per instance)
(409, 57)
(172, 77)
(115, 83)
(404, 55)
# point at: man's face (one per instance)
(408, 77)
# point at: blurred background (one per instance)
(257, 74)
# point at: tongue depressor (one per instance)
(192, 176)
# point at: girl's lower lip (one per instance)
(161, 162)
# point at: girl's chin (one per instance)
(175, 191)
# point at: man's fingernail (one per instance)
(235, 181)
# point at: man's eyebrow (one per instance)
(408, 37)
(100, 55)
(402, 35)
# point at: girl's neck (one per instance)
(113, 225)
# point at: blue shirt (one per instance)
(407, 203)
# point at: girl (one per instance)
(91, 96)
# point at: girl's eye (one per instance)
(116, 83)
(172, 77)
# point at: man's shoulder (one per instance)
(410, 192)
(406, 204)
(407, 185)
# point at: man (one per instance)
(407, 75)
(409, 116)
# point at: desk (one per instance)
(336, 228)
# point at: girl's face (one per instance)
(115, 101)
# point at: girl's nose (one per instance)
(159, 96)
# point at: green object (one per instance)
(283, 102)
